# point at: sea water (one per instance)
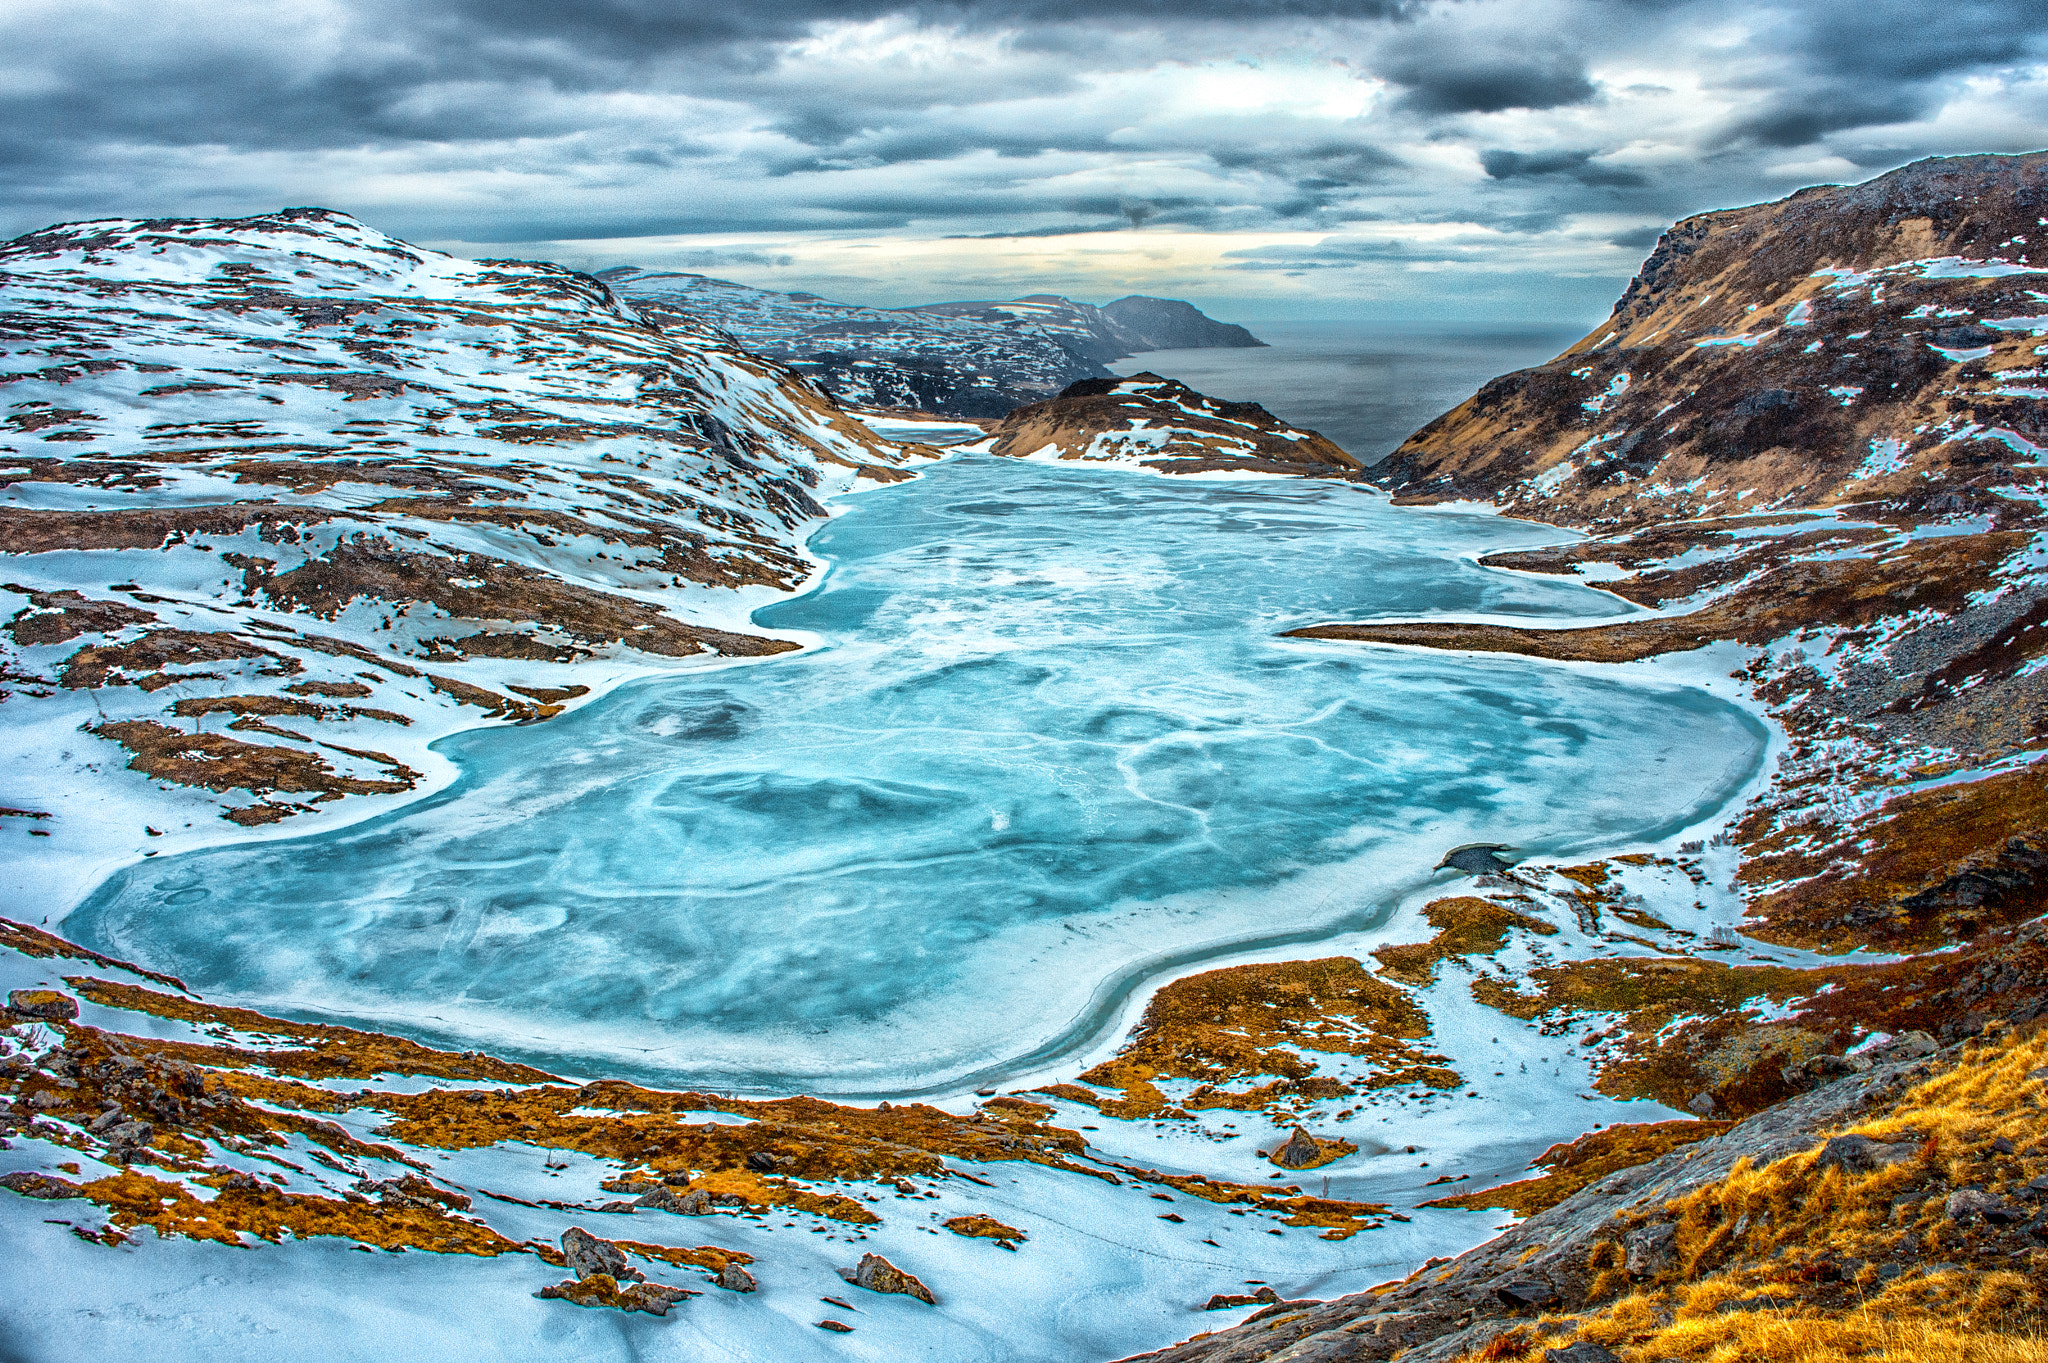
(1047, 746)
(1365, 385)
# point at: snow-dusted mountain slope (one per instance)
(1148, 422)
(283, 500)
(961, 359)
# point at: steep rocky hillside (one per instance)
(956, 359)
(1163, 424)
(1894, 1213)
(1805, 450)
(1875, 344)
(282, 500)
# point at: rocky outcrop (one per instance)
(1866, 343)
(1541, 1264)
(877, 1274)
(1165, 425)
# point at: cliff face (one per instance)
(1864, 344)
(281, 498)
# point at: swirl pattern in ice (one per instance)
(1047, 747)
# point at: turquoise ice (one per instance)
(1047, 747)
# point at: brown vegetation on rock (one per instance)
(1245, 1022)
(1124, 418)
(1466, 926)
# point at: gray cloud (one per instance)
(1572, 165)
(1456, 83)
(510, 122)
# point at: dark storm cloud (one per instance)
(1455, 83)
(1571, 165)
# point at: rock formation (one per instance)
(877, 1274)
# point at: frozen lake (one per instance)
(1047, 748)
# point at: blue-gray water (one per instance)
(1049, 746)
(1365, 385)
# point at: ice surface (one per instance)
(1049, 749)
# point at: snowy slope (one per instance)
(287, 476)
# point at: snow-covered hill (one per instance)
(283, 500)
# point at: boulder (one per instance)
(46, 1004)
(1862, 1155)
(1300, 1151)
(1974, 1204)
(45, 1187)
(734, 1278)
(761, 1162)
(877, 1274)
(588, 1256)
(1527, 1294)
(1652, 1250)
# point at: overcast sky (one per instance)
(1267, 158)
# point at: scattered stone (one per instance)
(112, 1117)
(47, 1004)
(1862, 1155)
(696, 1202)
(589, 1256)
(835, 1327)
(1527, 1294)
(761, 1162)
(733, 1278)
(1972, 1204)
(240, 1182)
(46, 1187)
(602, 1290)
(877, 1274)
(1223, 1301)
(1703, 1104)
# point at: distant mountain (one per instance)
(973, 359)
(1169, 324)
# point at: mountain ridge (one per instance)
(963, 359)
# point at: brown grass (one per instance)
(1577, 1164)
(1781, 1264)
(1466, 926)
(1239, 1023)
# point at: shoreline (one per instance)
(1098, 1027)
